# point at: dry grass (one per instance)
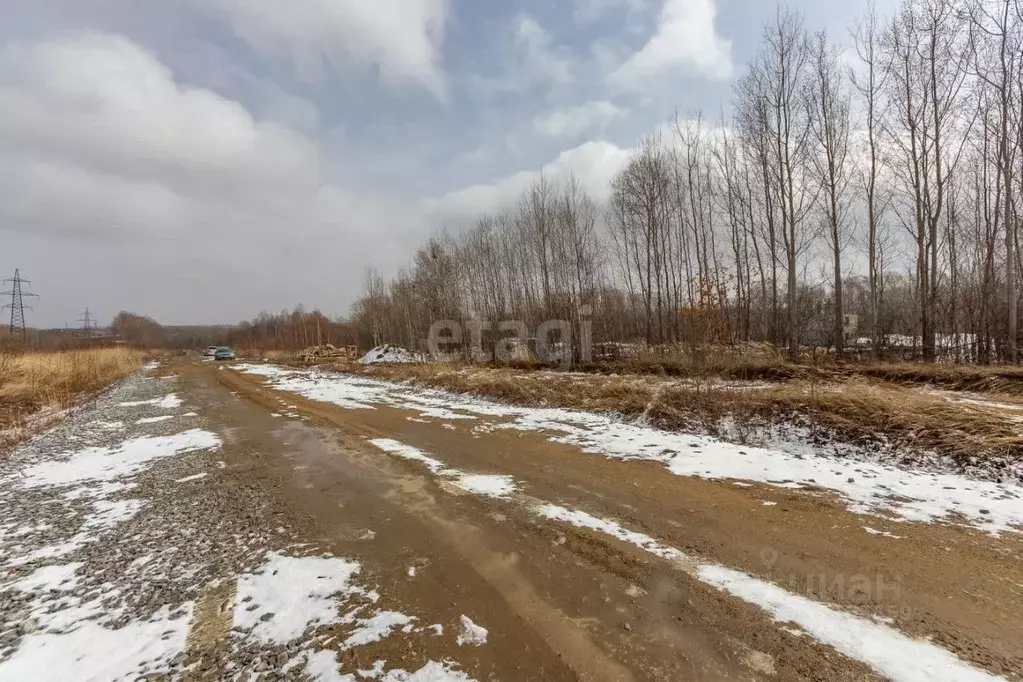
(982, 379)
(31, 381)
(855, 408)
(762, 362)
(271, 354)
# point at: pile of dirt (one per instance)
(389, 354)
(324, 352)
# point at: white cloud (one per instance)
(591, 10)
(574, 120)
(529, 58)
(540, 54)
(101, 151)
(686, 39)
(594, 163)
(100, 101)
(401, 37)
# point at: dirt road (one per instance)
(250, 522)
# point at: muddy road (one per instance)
(316, 526)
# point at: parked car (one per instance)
(210, 351)
(223, 353)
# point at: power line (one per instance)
(88, 323)
(17, 304)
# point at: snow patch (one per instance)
(316, 385)
(487, 484)
(375, 628)
(154, 420)
(106, 426)
(886, 650)
(193, 477)
(168, 402)
(470, 633)
(883, 533)
(287, 595)
(107, 514)
(404, 451)
(490, 485)
(109, 463)
(89, 651)
(49, 578)
(322, 666)
(581, 519)
(391, 354)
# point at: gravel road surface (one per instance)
(252, 522)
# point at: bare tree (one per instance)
(780, 75)
(870, 86)
(640, 209)
(827, 103)
(928, 53)
(996, 42)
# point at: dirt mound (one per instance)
(391, 354)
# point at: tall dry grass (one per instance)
(852, 407)
(33, 380)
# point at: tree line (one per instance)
(876, 175)
(287, 330)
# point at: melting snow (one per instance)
(154, 420)
(319, 386)
(109, 463)
(289, 594)
(286, 596)
(581, 519)
(322, 666)
(913, 495)
(86, 650)
(107, 514)
(883, 533)
(389, 353)
(194, 477)
(107, 426)
(60, 577)
(485, 484)
(168, 402)
(884, 649)
(887, 651)
(404, 451)
(376, 627)
(490, 485)
(470, 633)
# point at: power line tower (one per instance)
(17, 304)
(88, 324)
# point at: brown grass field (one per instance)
(34, 381)
(853, 405)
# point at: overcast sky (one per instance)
(202, 160)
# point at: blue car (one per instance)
(223, 353)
